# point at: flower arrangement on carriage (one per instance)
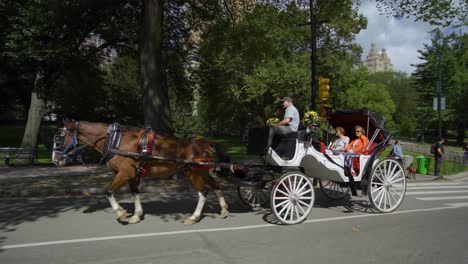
(314, 123)
(272, 120)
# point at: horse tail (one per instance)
(222, 157)
(220, 153)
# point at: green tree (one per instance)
(450, 51)
(403, 93)
(248, 65)
(436, 12)
(361, 93)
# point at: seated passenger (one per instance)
(358, 145)
(289, 124)
(397, 152)
(355, 147)
(340, 142)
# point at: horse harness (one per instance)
(146, 139)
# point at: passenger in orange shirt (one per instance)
(358, 145)
(355, 147)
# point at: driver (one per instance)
(290, 122)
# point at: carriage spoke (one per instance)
(378, 194)
(391, 195)
(378, 189)
(282, 203)
(299, 185)
(286, 188)
(304, 192)
(287, 194)
(396, 193)
(393, 175)
(394, 167)
(300, 207)
(397, 180)
(287, 211)
(303, 203)
(292, 212)
(284, 208)
(293, 187)
(381, 197)
(302, 188)
(297, 212)
(387, 201)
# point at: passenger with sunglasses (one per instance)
(355, 147)
(358, 145)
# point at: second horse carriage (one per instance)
(298, 161)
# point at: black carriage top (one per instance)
(348, 119)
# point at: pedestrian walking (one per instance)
(439, 156)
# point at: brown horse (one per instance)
(96, 135)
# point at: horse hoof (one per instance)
(122, 215)
(134, 219)
(189, 221)
(224, 214)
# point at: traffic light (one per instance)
(324, 89)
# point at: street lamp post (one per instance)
(439, 88)
(313, 57)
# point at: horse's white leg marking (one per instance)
(138, 210)
(121, 213)
(224, 207)
(196, 215)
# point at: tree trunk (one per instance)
(153, 82)
(37, 110)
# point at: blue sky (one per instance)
(402, 38)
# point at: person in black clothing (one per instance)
(439, 156)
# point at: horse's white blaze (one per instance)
(200, 204)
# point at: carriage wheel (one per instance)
(255, 196)
(292, 198)
(387, 185)
(333, 190)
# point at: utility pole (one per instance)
(439, 88)
(313, 57)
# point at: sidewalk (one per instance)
(42, 181)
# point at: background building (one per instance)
(378, 62)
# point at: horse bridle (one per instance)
(72, 149)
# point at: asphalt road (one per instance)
(429, 227)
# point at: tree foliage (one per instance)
(436, 12)
(450, 51)
(247, 66)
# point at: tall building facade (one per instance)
(378, 62)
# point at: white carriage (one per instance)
(300, 162)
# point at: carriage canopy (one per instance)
(348, 119)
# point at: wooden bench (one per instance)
(17, 153)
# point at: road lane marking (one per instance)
(210, 230)
(436, 187)
(436, 192)
(410, 184)
(441, 198)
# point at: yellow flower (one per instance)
(311, 117)
(272, 120)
